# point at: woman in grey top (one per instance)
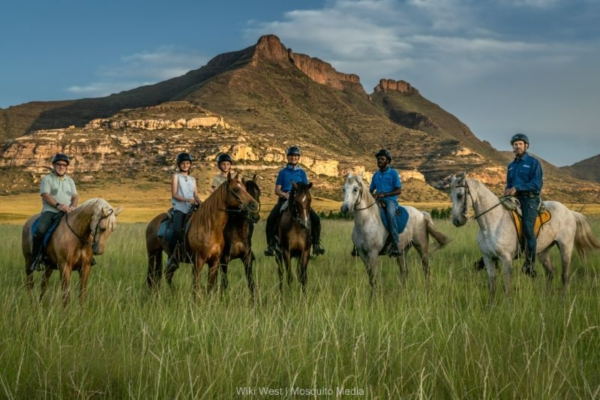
(184, 194)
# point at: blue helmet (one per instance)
(519, 136)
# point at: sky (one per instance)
(500, 66)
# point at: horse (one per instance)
(238, 242)
(204, 240)
(497, 237)
(370, 235)
(80, 235)
(294, 235)
(238, 237)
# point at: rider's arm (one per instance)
(280, 193)
(49, 199)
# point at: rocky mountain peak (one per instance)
(390, 85)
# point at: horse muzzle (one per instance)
(254, 217)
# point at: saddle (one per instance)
(401, 217)
(165, 229)
(542, 218)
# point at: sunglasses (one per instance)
(61, 165)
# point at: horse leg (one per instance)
(213, 271)
(196, 275)
(84, 274)
(370, 260)
(171, 268)
(65, 276)
(224, 263)
(544, 258)
(248, 264)
(423, 250)
(154, 276)
(490, 267)
(303, 268)
(279, 259)
(506, 271)
(287, 258)
(45, 279)
(28, 273)
(566, 250)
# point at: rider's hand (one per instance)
(510, 192)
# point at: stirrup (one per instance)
(270, 251)
(318, 250)
(529, 269)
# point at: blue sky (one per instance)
(501, 66)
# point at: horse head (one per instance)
(300, 200)
(238, 197)
(353, 193)
(254, 191)
(460, 195)
(103, 223)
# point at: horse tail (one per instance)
(441, 239)
(584, 237)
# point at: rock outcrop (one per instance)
(386, 85)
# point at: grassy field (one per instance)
(435, 340)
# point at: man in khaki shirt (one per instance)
(59, 195)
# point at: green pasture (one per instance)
(431, 340)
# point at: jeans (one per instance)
(178, 218)
(390, 211)
(44, 223)
(529, 207)
(273, 218)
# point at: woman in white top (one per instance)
(184, 194)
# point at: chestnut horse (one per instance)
(204, 240)
(238, 242)
(79, 236)
(294, 235)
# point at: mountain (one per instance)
(588, 169)
(255, 102)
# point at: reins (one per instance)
(468, 190)
(83, 240)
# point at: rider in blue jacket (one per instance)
(524, 181)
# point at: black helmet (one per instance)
(519, 136)
(384, 152)
(181, 157)
(61, 157)
(293, 151)
(224, 157)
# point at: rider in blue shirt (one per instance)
(524, 181)
(385, 187)
(283, 185)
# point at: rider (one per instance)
(59, 195)
(224, 162)
(283, 186)
(386, 187)
(524, 181)
(184, 194)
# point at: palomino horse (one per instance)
(497, 237)
(238, 242)
(370, 235)
(238, 237)
(205, 240)
(79, 236)
(294, 235)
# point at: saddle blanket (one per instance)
(541, 219)
(401, 218)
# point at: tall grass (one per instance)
(439, 339)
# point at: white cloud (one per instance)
(140, 69)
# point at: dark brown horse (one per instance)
(238, 238)
(294, 235)
(79, 236)
(205, 240)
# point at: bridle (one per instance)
(293, 207)
(94, 234)
(360, 198)
(465, 204)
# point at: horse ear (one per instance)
(229, 175)
(118, 211)
(244, 180)
(294, 185)
(310, 185)
(255, 178)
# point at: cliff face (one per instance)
(386, 85)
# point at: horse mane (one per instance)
(212, 205)
(96, 207)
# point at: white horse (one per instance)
(497, 237)
(369, 234)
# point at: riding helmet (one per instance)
(181, 157)
(61, 157)
(384, 152)
(293, 151)
(519, 136)
(224, 157)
